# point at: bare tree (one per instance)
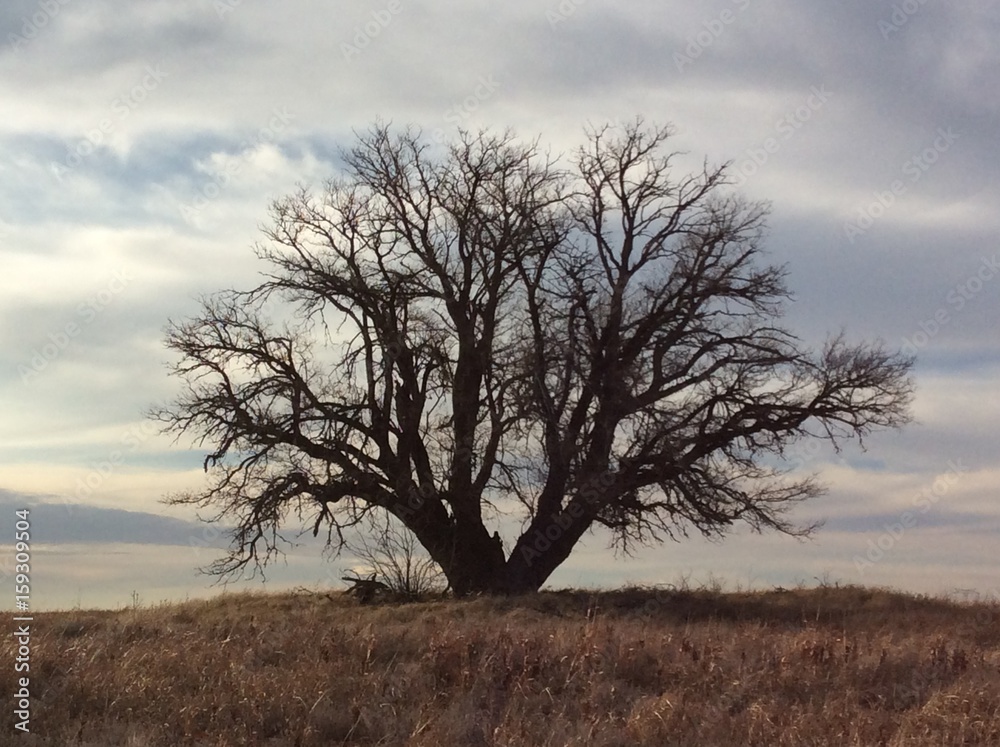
(483, 333)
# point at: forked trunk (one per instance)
(478, 565)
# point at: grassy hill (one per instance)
(826, 666)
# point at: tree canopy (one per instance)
(484, 334)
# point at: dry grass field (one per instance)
(827, 666)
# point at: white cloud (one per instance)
(165, 98)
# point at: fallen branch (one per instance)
(366, 589)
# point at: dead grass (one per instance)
(827, 666)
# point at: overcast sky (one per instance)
(141, 143)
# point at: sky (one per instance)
(142, 142)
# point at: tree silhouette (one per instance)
(483, 333)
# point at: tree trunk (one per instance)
(548, 541)
(480, 568)
(474, 563)
(477, 564)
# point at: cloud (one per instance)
(54, 523)
(149, 140)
